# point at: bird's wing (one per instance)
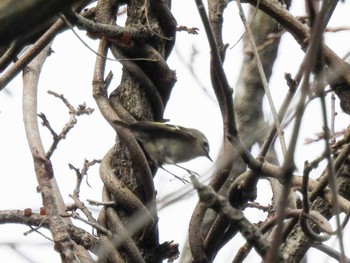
(157, 128)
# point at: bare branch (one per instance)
(51, 197)
(80, 110)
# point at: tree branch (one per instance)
(51, 197)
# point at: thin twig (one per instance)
(99, 203)
(333, 115)
(81, 173)
(190, 66)
(80, 110)
(36, 230)
(288, 167)
(281, 113)
(93, 224)
(263, 79)
(329, 251)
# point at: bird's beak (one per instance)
(209, 158)
(207, 154)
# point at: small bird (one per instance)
(168, 144)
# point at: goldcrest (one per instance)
(168, 144)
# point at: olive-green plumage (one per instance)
(168, 144)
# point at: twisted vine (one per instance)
(144, 90)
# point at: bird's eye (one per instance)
(205, 144)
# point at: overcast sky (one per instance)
(69, 71)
